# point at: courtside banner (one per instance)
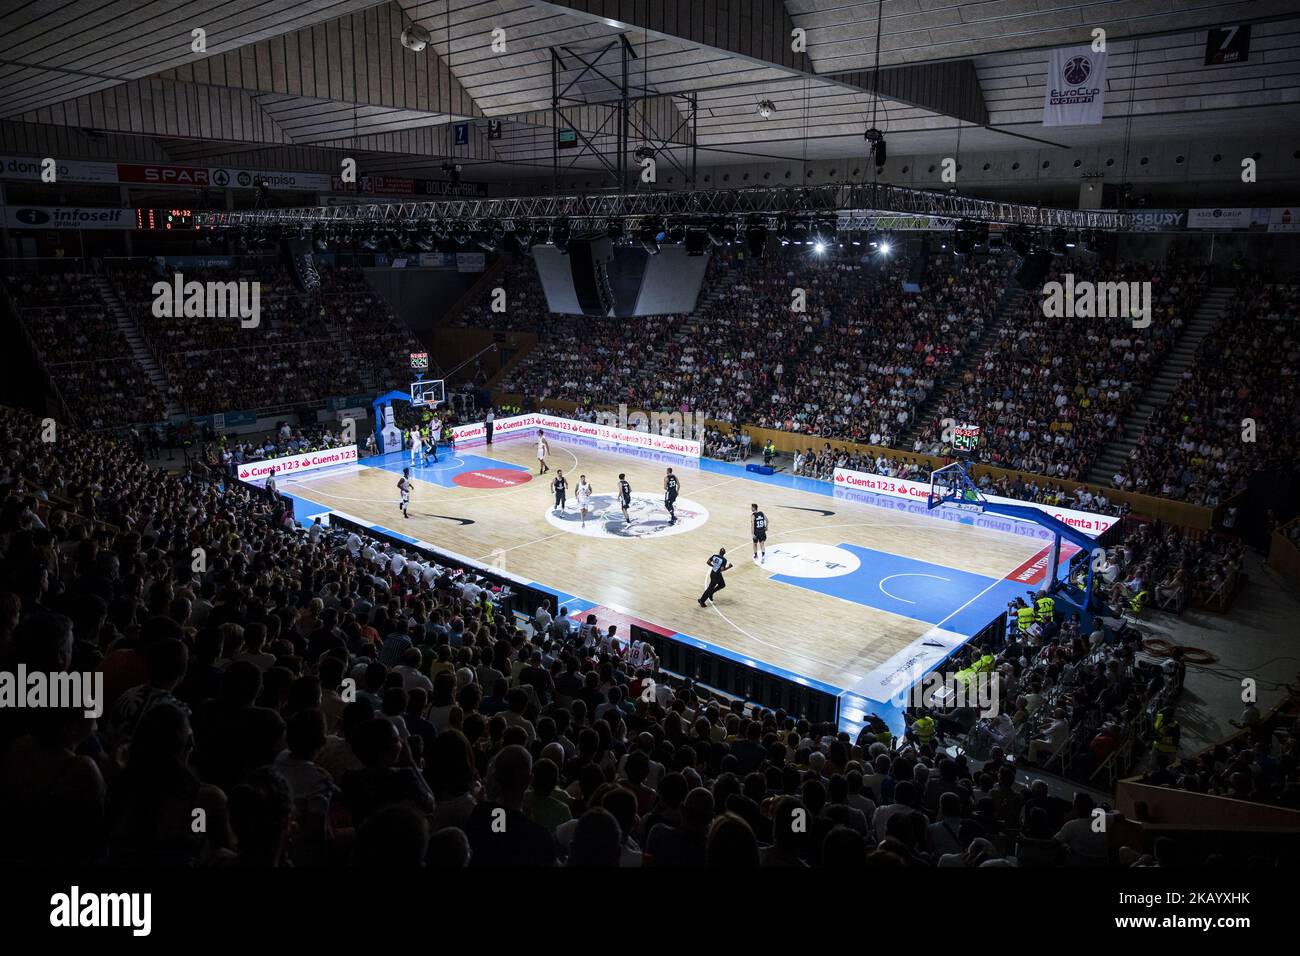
(622, 436)
(1086, 521)
(477, 432)
(297, 464)
(1076, 87)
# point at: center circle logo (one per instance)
(649, 517)
(808, 559)
(492, 478)
(1077, 69)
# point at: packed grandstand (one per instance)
(223, 687)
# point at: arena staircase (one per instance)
(1013, 298)
(1158, 392)
(139, 350)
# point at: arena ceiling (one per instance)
(295, 83)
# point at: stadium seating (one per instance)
(82, 349)
(1196, 447)
(461, 712)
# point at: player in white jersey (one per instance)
(584, 497)
(435, 434)
(543, 449)
(404, 486)
(417, 445)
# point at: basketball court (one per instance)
(858, 592)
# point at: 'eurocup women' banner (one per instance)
(1076, 87)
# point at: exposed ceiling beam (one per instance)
(761, 31)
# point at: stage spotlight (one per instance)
(614, 230)
(415, 38)
(649, 238)
(1019, 241)
(877, 140)
(885, 247)
(560, 235)
(824, 231)
(541, 234)
(766, 109)
(697, 240)
(1034, 269)
(676, 233)
(717, 232)
(819, 247)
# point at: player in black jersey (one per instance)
(624, 496)
(758, 527)
(717, 564)
(671, 487)
(560, 485)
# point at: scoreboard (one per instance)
(419, 361)
(966, 438)
(165, 219)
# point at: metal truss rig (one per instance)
(861, 204)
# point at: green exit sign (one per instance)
(568, 138)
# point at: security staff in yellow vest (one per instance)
(923, 729)
(1024, 616)
(1046, 608)
(1168, 733)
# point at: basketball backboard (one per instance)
(951, 485)
(428, 392)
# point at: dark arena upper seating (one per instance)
(328, 541)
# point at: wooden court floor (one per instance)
(834, 639)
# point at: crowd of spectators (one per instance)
(1261, 764)
(1170, 568)
(212, 363)
(385, 710)
(379, 343)
(1051, 392)
(865, 356)
(853, 361)
(1234, 410)
(84, 352)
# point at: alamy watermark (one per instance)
(64, 689)
(1098, 300)
(224, 300)
(680, 424)
(78, 909)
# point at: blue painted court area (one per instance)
(442, 472)
(960, 601)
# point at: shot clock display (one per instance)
(165, 219)
(966, 438)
